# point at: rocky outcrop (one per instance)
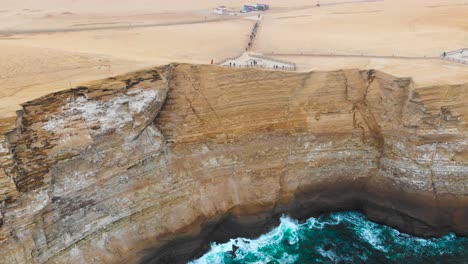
(153, 165)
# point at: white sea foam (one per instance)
(328, 254)
(341, 237)
(255, 248)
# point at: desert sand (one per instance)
(104, 172)
(52, 45)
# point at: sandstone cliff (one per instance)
(111, 171)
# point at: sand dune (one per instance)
(66, 42)
(28, 72)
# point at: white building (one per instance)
(221, 10)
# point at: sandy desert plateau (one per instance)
(121, 143)
(52, 45)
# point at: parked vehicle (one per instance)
(256, 7)
(261, 7)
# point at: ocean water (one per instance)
(345, 237)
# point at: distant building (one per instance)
(220, 10)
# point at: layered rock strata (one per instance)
(153, 165)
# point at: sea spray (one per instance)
(346, 237)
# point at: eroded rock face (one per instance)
(108, 172)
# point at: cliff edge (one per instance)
(151, 166)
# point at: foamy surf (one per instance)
(346, 237)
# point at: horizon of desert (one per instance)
(53, 45)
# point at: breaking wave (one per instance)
(346, 237)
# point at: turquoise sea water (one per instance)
(346, 237)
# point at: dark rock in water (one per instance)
(232, 252)
(234, 248)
